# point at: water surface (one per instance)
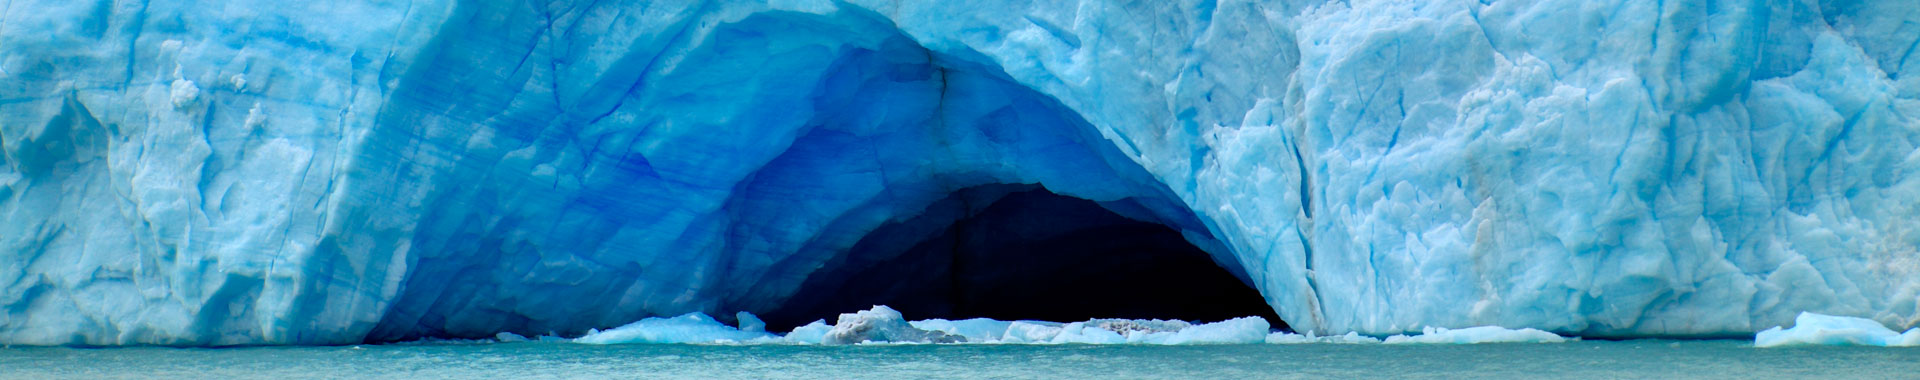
(1634, 359)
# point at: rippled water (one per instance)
(1586, 359)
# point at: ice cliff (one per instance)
(266, 171)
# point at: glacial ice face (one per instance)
(288, 172)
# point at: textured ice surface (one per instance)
(1820, 329)
(1105, 331)
(689, 328)
(1481, 334)
(882, 324)
(1428, 335)
(1309, 337)
(974, 329)
(241, 171)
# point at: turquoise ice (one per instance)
(292, 172)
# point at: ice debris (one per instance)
(1821, 329)
(884, 325)
(1310, 337)
(881, 324)
(1482, 334)
(689, 328)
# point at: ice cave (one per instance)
(872, 145)
(1078, 261)
(258, 172)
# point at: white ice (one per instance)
(883, 325)
(1310, 337)
(689, 328)
(1481, 334)
(1429, 335)
(1821, 329)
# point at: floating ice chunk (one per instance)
(1137, 326)
(1243, 330)
(1113, 331)
(1032, 332)
(812, 333)
(1821, 329)
(1082, 332)
(1309, 337)
(1433, 335)
(688, 328)
(1288, 338)
(1482, 334)
(750, 322)
(975, 330)
(882, 324)
(1351, 338)
(507, 337)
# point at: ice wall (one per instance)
(231, 172)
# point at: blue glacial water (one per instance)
(1637, 359)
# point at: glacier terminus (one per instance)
(239, 172)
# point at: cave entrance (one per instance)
(1013, 252)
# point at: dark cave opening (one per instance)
(1014, 252)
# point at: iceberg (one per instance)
(1244, 330)
(1310, 337)
(690, 328)
(883, 325)
(812, 333)
(1032, 332)
(1479, 334)
(1821, 329)
(240, 172)
(974, 329)
(1428, 335)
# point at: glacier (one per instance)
(239, 172)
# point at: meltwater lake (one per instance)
(1591, 359)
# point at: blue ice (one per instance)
(242, 172)
(1821, 329)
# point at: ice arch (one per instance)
(1013, 252)
(710, 173)
(297, 172)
